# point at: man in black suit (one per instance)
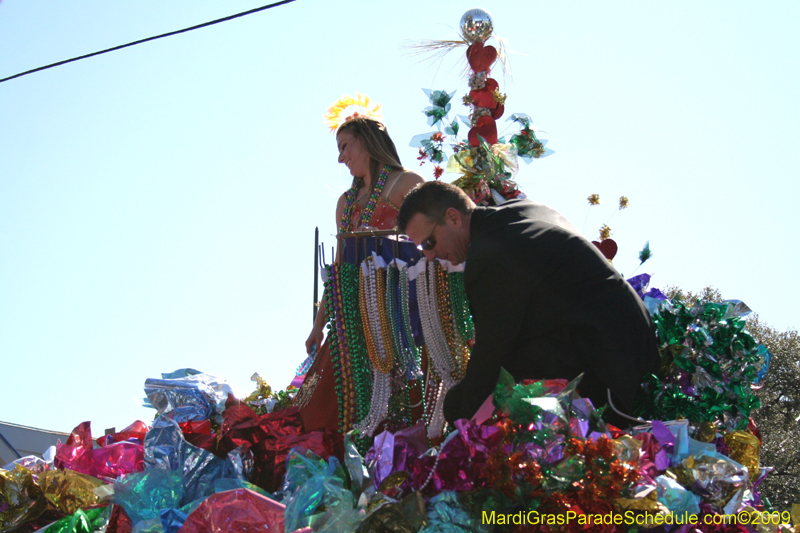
(545, 302)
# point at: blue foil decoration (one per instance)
(187, 394)
(166, 449)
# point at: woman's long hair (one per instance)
(376, 140)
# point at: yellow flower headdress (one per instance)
(348, 107)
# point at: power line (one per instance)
(203, 25)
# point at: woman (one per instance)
(379, 185)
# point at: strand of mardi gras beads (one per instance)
(438, 351)
(409, 345)
(433, 384)
(381, 392)
(386, 363)
(400, 403)
(381, 360)
(348, 379)
(434, 414)
(405, 316)
(368, 423)
(395, 297)
(465, 330)
(399, 416)
(363, 300)
(350, 201)
(446, 317)
(391, 307)
(461, 312)
(377, 348)
(336, 336)
(457, 343)
(361, 391)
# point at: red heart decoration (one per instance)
(481, 57)
(497, 112)
(607, 247)
(484, 97)
(486, 127)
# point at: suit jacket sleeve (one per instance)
(498, 307)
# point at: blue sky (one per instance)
(158, 204)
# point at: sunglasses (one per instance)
(429, 243)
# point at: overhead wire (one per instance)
(140, 41)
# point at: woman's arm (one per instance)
(316, 336)
(317, 332)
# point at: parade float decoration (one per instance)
(485, 162)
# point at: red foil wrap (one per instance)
(270, 437)
(235, 511)
(133, 433)
(119, 522)
(198, 433)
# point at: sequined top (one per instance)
(384, 216)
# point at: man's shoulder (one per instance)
(511, 215)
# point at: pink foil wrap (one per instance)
(461, 462)
(107, 462)
(654, 459)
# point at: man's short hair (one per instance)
(432, 199)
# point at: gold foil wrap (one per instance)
(646, 505)
(706, 432)
(744, 448)
(405, 516)
(21, 499)
(627, 448)
(69, 491)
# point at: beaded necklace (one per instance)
(360, 391)
(350, 201)
(379, 293)
(455, 341)
(336, 339)
(405, 318)
(373, 317)
(377, 349)
(403, 353)
(435, 391)
(438, 349)
(462, 317)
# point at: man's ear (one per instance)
(452, 215)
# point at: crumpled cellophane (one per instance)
(447, 515)
(403, 516)
(144, 494)
(317, 494)
(21, 499)
(108, 462)
(88, 521)
(187, 394)
(166, 449)
(235, 511)
(69, 491)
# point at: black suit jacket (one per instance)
(547, 304)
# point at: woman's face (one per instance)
(353, 154)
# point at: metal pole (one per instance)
(316, 274)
